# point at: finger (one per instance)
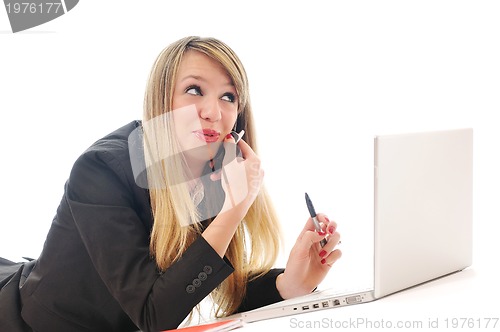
(332, 258)
(308, 239)
(309, 225)
(246, 150)
(333, 241)
(216, 176)
(328, 226)
(230, 150)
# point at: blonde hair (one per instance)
(255, 245)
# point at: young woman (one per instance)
(165, 211)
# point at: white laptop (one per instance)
(422, 215)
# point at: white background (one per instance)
(325, 78)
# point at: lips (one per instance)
(207, 135)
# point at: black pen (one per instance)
(312, 212)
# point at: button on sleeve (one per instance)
(190, 289)
(207, 269)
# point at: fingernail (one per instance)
(331, 229)
(321, 233)
(326, 218)
(228, 136)
(322, 253)
(323, 261)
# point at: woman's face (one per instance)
(205, 105)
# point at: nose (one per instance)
(210, 110)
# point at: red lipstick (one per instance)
(207, 135)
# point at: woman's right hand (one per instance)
(241, 177)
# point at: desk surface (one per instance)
(461, 301)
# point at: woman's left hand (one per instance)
(309, 263)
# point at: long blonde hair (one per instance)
(256, 243)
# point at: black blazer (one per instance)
(95, 272)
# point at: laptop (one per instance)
(422, 219)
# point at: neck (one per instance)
(196, 167)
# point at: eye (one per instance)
(230, 97)
(194, 90)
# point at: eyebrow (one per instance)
(196, 77)
(200, 78)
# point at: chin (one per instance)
(202, 153)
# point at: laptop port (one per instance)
(325, 304)
(316, 305)
(353, 299)
(336, 302)
(305, 307)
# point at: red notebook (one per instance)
(219, 326)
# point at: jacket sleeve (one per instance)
(261, 291)
(104, 212)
